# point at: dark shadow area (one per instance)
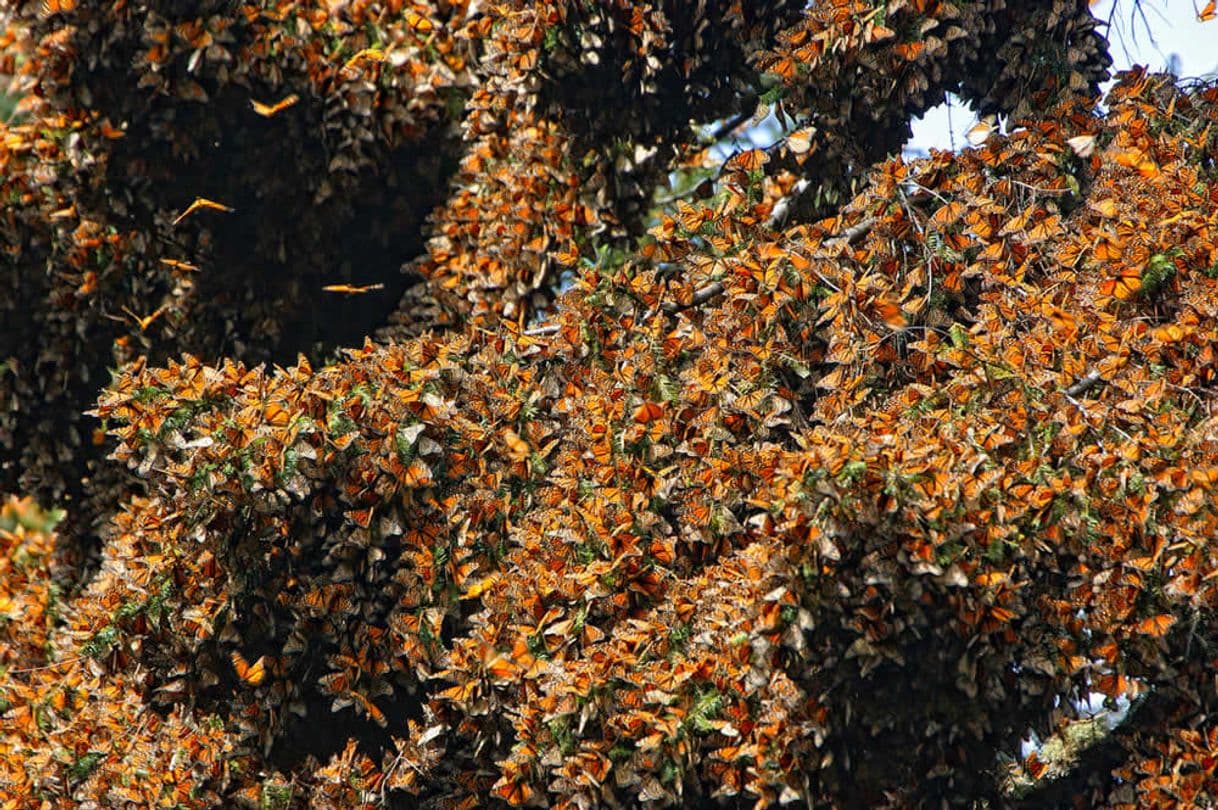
(298, 225)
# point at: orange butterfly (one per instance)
(479, 587)
(352, 289)
(1123, 287)
(692, 218)
(515, 793)
(748, 161)
(417, 474)
(800, 141)
(143, 322)
(891, 312)
(360, 517)
(419, 23)
(372, 710)
(199, 203)
(276, 415)
(253, 674)
(569, 255)
(178, 265)
(648, 412)
(1209, 12)
(518, 449)
(1034, 766)
(373, 54)
(784, 68)
(1156, 626)
(980, 132)
(271, 110)
(52, 7)
(111, 132)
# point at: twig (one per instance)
(701, 296)
(1084, 385)
(854, 233)
(730, 124)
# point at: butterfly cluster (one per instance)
(627, 503)
(190, 176)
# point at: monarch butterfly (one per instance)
(271, 110)
(145, 321)
(891, 313)
(1123, 287)
(352, 289)
(276, 415)
(602, 451)
(1171, 333)
(502, 668)
(800, 141)
(909, 51)
(1135, 158)
(784, 68)
(517, 448)
(179, 265)
(948, 214)
(373, 54)
(360, 517)
(480, 587)
(980, 132)
(1034, 766)
(514, 793)
(52, 7)
(417, 474)
(1082, 145)
(372, 710)
(253, 674)
(419, 23)
(569, 255)
(749, 161)
(692, 218)
(111, 132)
(648, 412)
(1156, 626)
(200, 203)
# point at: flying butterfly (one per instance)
(370, 708)
(253, 674)
(180, 265)
(352, 289)
(201, 203)
(111, 132)
(271, 110)
(142, 321)
(1082, 145)
(980, 132)
(800, 141)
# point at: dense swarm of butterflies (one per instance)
(753, 510)
(271, 140)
